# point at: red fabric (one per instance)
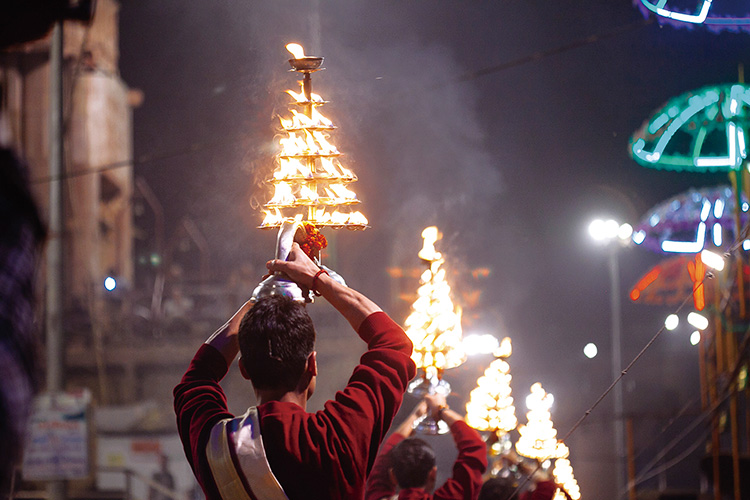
(467, 470)
(326, 454)
(544, 490)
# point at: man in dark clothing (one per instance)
(21, 235)
(407, 464)
(277, 450)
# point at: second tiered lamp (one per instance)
(434, 327)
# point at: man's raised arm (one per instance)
(354, 306)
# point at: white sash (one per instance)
(240, 437)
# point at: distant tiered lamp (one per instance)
(563, 474)
(309, 182)
(490, 407)
(538, 438)
(434, 326)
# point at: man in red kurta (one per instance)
(326, 454)
(408, 465)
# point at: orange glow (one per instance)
(697, 270)
(635, 293)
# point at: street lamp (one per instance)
(614, 236)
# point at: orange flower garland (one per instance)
(314, 242)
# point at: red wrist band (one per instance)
(315, 278)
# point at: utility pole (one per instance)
(54, 257)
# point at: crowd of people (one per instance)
(278, 450)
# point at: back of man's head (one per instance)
(497, 488)
(411, 461)
(276, 337)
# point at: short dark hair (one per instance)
(412, 460)
(497, 488)
(276, 337)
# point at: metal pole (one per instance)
(54, 257)
(619, 430)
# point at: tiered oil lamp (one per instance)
(310, 183)
(490, 407)
(563, 474)
(538, 437)
(434, 327)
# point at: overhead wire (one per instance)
(473, 75)
(735, 245)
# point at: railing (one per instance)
(131, 477)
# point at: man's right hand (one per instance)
(298, 266)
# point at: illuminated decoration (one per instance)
(563, 474)
(712, 260)
(434, 324)
(434, 327)
(701, 131)
(703, 12)
(670, 281)
(698, 320)
(490, 406)
(310, 183)
(691, 221)
(538, 438)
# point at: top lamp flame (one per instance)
(301, 62)
(296, 49)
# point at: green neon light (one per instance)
(713, 119)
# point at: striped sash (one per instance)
(238, 460)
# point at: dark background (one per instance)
(505, 123)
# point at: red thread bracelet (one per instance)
(315, 278)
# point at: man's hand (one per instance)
(438, 408)
(298, 266)
(354, 306)
(406, 428)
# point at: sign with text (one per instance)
(57, 446)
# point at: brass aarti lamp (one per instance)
(434, 327)
(490, 407)
(310, 183)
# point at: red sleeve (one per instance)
(379, 483)
(366, 407)
(199, 402)
(544, 490)
(470, 464)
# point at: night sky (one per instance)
(505, 123)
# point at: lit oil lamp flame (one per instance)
(296, 50)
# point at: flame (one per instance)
(292, 167)
(325, 146)
(430, 235)
(296, 49)
(282, 195)
(272, 218)
(357, 219)
(307, 195)
(505, 349)
(301, 120)
(300, 97)
(340, 194)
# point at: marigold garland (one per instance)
(314, 242)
